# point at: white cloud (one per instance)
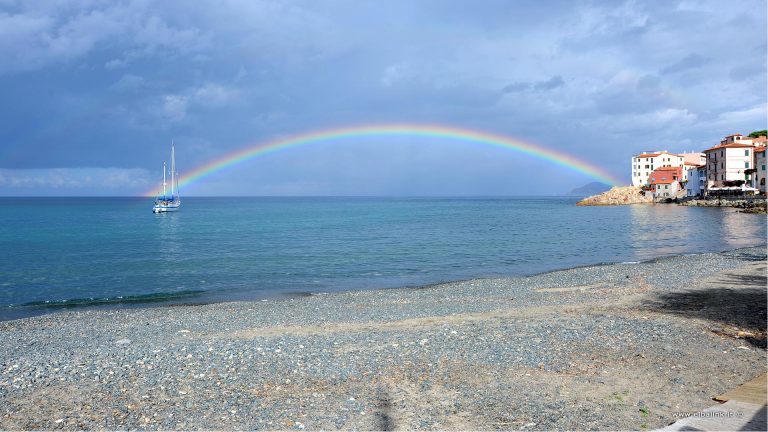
(394, 74)
(664, 119)
(86, 179)
(214, 95)
(174, 107)
(38, 36)
(129, 82)
(755, 116)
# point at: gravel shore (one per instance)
(619, 346)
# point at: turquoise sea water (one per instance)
(65, 252)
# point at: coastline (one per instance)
(202, 298)
(617, 346)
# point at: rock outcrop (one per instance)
(756, 205)
(618, 195)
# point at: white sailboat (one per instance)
(166, 203)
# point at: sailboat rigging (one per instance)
(166, 203)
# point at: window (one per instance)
(762, 168)
(721, 152)
(721, 165)
(746, 164)
(746, 152)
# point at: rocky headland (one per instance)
(617, 195)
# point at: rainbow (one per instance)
(415, 130)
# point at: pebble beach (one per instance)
(619, 346)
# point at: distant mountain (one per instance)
(589, 189)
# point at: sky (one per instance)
(93, 92)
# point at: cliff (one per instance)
(617, 195)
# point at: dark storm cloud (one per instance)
(107, 85)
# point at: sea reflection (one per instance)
(666, 229)
(656, 230)
(169, 246)
(741, 230)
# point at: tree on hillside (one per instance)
(756, 134)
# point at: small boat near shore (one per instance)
(172, 202)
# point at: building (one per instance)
(645, 163)
(692, 160)
(741, 139)
(727, 162)
(697, 181)
(760, 173)
(664, 182)
(736, 138)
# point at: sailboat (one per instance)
(166, 203)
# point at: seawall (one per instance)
(749, 205)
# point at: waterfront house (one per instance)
(727, 163)
(741, 139)
(645, 163)
(758, 181)
(697, 178)
(664, 182)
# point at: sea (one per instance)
(72, 253)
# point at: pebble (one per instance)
(189, 367)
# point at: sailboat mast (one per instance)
(173, 168)
(163, 179)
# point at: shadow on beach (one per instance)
(739, 306)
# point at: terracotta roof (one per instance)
(664, 175)
(663, 152)
(734, 145)
(733, 135)
(665, 180)
(760, 150)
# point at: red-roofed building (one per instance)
(730, 161)
(645, 163)
(665, 181)
(736, 138)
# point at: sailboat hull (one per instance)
(160, 208)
